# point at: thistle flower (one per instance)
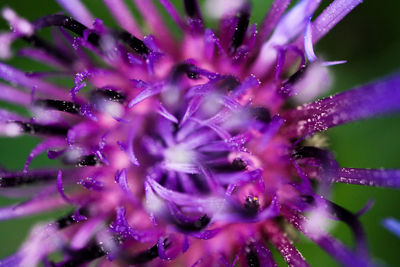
(184, 153)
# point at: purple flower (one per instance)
(184, 153)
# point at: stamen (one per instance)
(251, 257)
(109, 94)
(227, 84)
(136, 44)
(88, 160)
(261, 114)
(84, 255)
(192, 9)
(241, 28)
(70, 219)
(58, 105)
(287, 85)
(195, 226)
(252, 205)
(25, 179)
(181, 69)
(239, 164)
(34, 128)
(69, 24)
(144, 256)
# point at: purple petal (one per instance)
(360, 103)
(166, 114)
(6, 39)
(123, 16)
(268, 24)
(122, 227)
(173, 13)
(154, 20)
(334, 13)
(291, 255)
(264, 255)
(60, 188)
(308, 44)
(12, 261)
(392, 225)
(13, 95)
(40, 148)
(207, 234)
(13, 75)
(120, 179)
(147, 92)
(78, 11)
(91, 184)
(209, 204)
(369, 177)
(30, 207)
(18, 25)
(334, 247)
(41, 56)
(308, 47)
(290, 26)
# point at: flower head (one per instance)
(184, 152)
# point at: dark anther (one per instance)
(20, 179)
(239, 164)
(69, 24)
(308, 199)
(88, 160)
(192, 75)
(251, 257)
(84, 255)
(307, 152)
(236, 165)
(261, 114)
(78, 28)
(192, 9)
(147, 255)
(241, 27)
(108, 94)
(227, 84)
(38, 42)
(351, 220)
(34, 128)
(182, 69)
(251, 205)
(136, 44)
(194, 226)
(294, 78)
(60, 105)
(68, 220)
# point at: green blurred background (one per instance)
(369, 38)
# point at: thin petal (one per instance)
(123, 16)
(360, 103)
(392, 225)
(78, 11)
(334, 247)
(334, 13)
(369, 177)
(291, 255)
